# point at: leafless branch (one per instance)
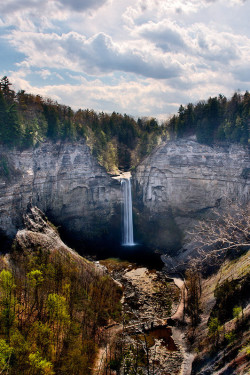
(227, 232)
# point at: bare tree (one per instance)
(228, 232)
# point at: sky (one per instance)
(139, 57)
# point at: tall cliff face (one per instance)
(178, 183)
(182, 180)
(65, 182)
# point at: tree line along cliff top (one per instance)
(118, 141)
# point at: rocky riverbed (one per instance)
(143, 343)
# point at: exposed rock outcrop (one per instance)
(183, 180)
(40, 233)
(66, 182)
(178, 183)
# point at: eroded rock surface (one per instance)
(150, 298)
(39, 233)
(178, 183)
(65, 182)
(182, 181)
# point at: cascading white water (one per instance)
(127, 229)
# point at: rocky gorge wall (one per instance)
(65, 181)
(173, 187)
(181, 181)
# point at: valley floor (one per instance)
(144, 343)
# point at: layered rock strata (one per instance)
(65, 181)
(184, 179)
(178, 183)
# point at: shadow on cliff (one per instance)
(5, 242)
(104, 241)
(110, 247)
(158, 231)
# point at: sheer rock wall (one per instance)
(177, 184)
(65, 181)
(184, 180)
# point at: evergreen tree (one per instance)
(3, 116)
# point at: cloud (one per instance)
(14, 6)
(97, 55)
(132, 96)
(80, 5)
(197, 44)
(142, 10)
(242, 73)
(165, 35)
(143, 57)
(11, 6)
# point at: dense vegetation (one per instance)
(218, 293)
(118, 141)
(52, 309)
(215, 120)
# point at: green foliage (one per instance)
(57, 308)
(51, 313)
(214, 326)
(213, 121)
(237, 311)
(118, 141)
(42, 334)
(5, 356)
(247, 349)
(7, 302)
(214, 330)
(228, 295)
(204, 133)
(38, 365)
(35, 278)
(230, 337)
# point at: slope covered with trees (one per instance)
(214, 121)
(118, 141)
(53, 305)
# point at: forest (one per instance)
(118, 141)
(52, 309)
(217, 120)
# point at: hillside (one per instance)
(53, 304)
(222, 339)
(57, 162)
(117, 141)
(216, 120)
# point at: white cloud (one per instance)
(33, 6)
(96, 55)
(140, 57)
(134, 96)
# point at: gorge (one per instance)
(179, 183)
(173, 188)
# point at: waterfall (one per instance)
(127, 225)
